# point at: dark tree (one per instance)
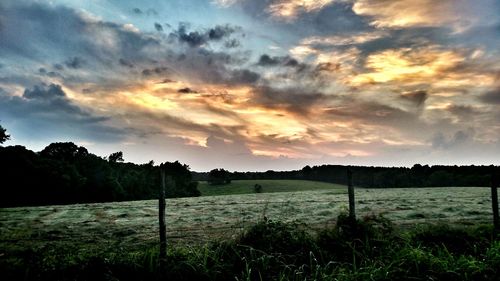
(64, 173)
(116, 157)
(66, 151)
(3, 135)
(219, 176)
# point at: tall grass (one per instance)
(368, 249)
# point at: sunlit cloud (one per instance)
(459, 14)
(289, 9)
(408, 65)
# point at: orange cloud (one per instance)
(408, 65)
(407, 13)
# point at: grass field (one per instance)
(125, 224)
(72, 233)
(268, 186)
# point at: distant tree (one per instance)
(116, 157)
(307, 171)
(3, 135)
(219, 176)
(183, 185)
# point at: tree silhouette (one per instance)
(66, 151)
(116, 157)
(219, 176)
(3, 135)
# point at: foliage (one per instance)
(218, 177)
(116, 157)
(366, 249)
(64, 173)
(3, 135)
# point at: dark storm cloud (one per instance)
(491, 97)
(47, 110)
(58, 66)
(232, 43)
(158, 27)
(462, 111)
(441, 141)
(213, 67)
(74, 62)
(374, 113)
(193, 38)
(52, 74)
(126, 63)
(198, 38)
(49, 32)
(40, 92)
(187, 90)
(221, 31)
(293, 100)
(336, 17)
(411, 37)
(166, 81)
(149, 12)
(244, 76)
(266, 60)
(155, 71)
(418, 98)
(53, 99)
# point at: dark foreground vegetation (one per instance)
(64, 173)
(368, 249)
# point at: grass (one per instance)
(295, 236)
(371, 248)
(268, 186)
(208, 218)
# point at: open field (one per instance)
(268, 186)
(95, 227)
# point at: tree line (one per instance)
(65, 173)
(376, 177)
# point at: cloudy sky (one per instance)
(255, 84)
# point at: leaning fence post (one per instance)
(161, 214)
(350, 190)
(494, 201)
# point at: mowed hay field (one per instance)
(268, 186)
(134, 225)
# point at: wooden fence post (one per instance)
(350, 190)
(161, 214)
(494, 201)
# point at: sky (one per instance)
(253, 85)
